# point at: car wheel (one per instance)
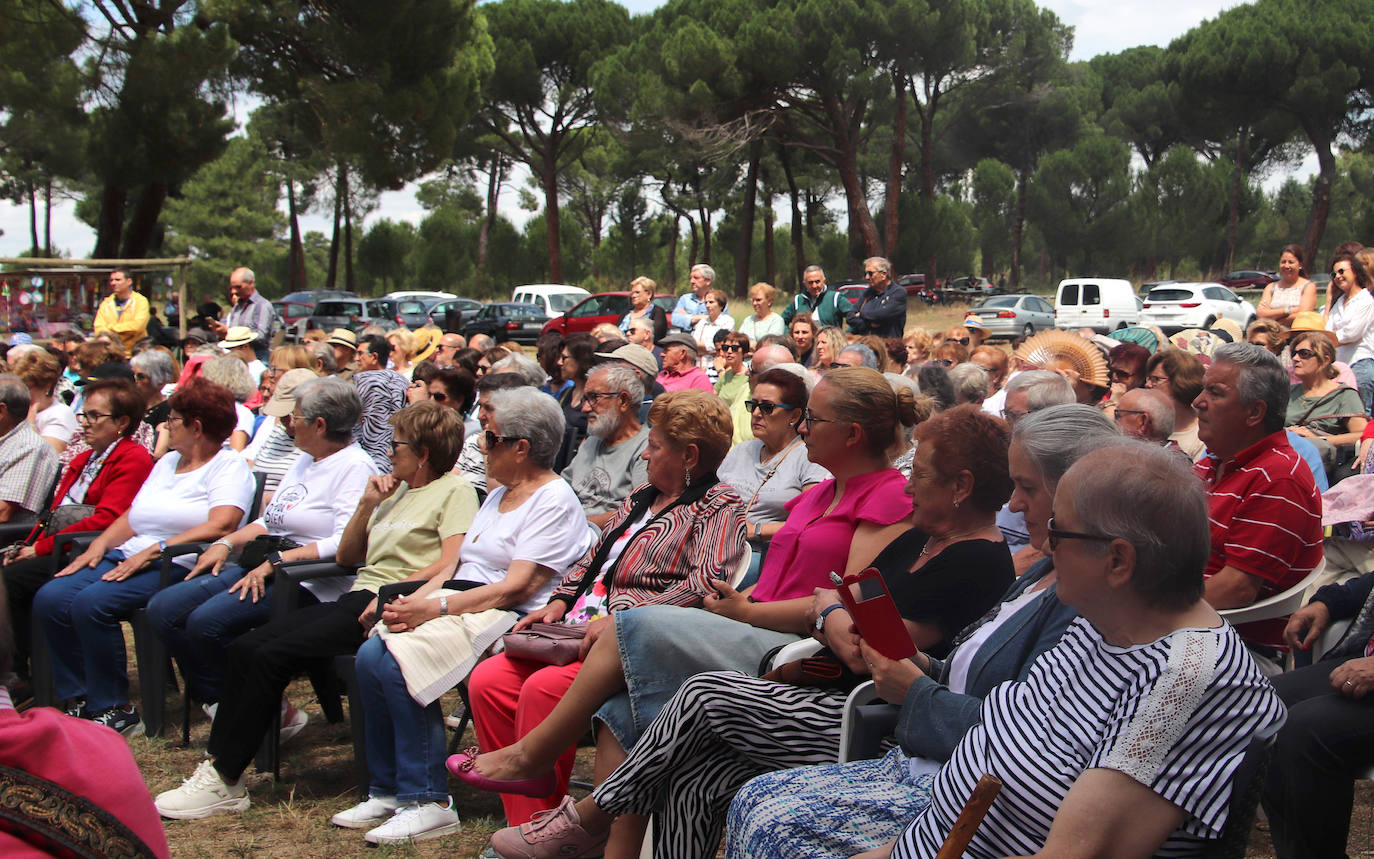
(1208, 323)
(1120, 326)
(1028, 331)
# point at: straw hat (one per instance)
(1311, 320)
(426, 342)
(238, 335)
(1230, 328)
(1055, 350)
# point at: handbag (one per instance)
(255, 554)
(58, 519)
(550, 643)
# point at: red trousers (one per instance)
(509, 697)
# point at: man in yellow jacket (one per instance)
(123, 312)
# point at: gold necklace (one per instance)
(948, 538)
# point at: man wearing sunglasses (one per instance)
(1263, 505)
(609, 464)
(882, 307)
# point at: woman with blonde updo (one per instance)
(764, 322)
(852, 419)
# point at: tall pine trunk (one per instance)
(746, 231)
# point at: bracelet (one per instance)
(224, 541)
(443, 604)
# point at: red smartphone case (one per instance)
(875, 615)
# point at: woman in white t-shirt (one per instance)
(198, 618)
(198, 491)
(528, 532)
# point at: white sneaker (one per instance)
(416, 822)
(366, 814)
(292, 721)
(202, 795)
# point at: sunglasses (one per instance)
(492, 439)
(731, 347)
(1056, 535)
(962, 341)
(766, 407)
(1304, 354)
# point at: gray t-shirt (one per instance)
(603, 477)
(742, 470)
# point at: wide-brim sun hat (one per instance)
(1311, 320)
(238, 335)
(426, 342)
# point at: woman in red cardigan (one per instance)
(105, 479)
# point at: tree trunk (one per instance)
(348, 232)
(863, 232)
(1321, 198)
(548, 175)
(1234, 219)
(139, 238)
(895, 163)
(295, 257)
(1018, 227)
(332, 278)
(672, 253)
(47, 217)
(110, 226)
(746, 231)
(770, 259)
(494, 175)
(798, 228)
(33, 216)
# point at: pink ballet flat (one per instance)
(461, 765)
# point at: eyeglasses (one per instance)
(962, 341)
(732, 347)
(944, 362)
(1013, 415)
(438, 396)
(398, 444)
(766, 407)
(1121, 375)
(91, 417)
(140, 377)
(1120, 412)
(1305, 354)
(1056, 535)
(835, 365)
(176, 418)
(492, 439)
(810, 418)
(1153, 380)
(594, 397)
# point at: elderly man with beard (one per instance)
(610, 463)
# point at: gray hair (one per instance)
(970, 382)
(1056, 437)
(233, 374)
(881, 263)
(1043, 389)
(865, 354)
(812, 268)
(1158, 407)
(1261, 379)
(533, 415)
(324, 353)
(246, 275)
(622, 379)
(706, 270)
(334, 400)
(523, 366)
(642, 322)
(1147, 496)
(15, 395)
(157, 365)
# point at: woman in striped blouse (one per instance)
(664, 546)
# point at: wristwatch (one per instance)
(820, 618)
(275, 559)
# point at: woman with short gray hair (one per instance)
(525, 536)
(335, 402)
(154, 369)
(233, 374)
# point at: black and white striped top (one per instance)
(1175, 714)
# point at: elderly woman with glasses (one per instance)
(198, 491)
(525, 536)
(94, 491)
(199, 617)
(841, 524)
(408, 526)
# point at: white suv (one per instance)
(1175, 306)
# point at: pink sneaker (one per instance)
(553, 834)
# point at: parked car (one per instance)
(553, 298)
(1175, 306)
(314, 296)
(1015, 315)
(1248, 279)
(450, 313)
(414, 312)
(851, 291)
(1103, 304)
(969, 288)
(603, 307)
(418, 293)
(354, 314)
(291, 318)
(507, 320)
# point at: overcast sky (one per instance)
(1099, 27)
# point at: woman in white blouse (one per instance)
(1350, 316)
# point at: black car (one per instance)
(448, 313)
(507, 321)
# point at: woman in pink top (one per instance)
(839, 525)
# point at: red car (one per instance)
(1248, 279)
(593, 310)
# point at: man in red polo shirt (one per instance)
(1262, 503)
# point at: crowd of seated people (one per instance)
(677, 501)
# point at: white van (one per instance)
(1103, 304)
(552, 298)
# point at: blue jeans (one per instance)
(80, 615)
(405, 742)
(1364, 379)
(198, 619)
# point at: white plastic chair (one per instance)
(1279, 605)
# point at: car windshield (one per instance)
(1170, 295)
(411, 307)
(561, 301)
(999, 301)
(338, 308)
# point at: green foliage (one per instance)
(1078, 201)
